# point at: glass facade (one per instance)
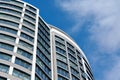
(31, 49)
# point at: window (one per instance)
(74, 78)
(41, 74)
(73, 65)
(4, 68)
(27, 23)
(43, 66)
(62, 72)
(44, 25)
(17, 2)
(2, 78)
(28, 30)
(10, 11)
(43, 43)
(24, 53)
(61, 64)
(23, 63)
(6, 46)
(7, 38)
(61, 78)
(11, 6)
(21, 75)
(13, 24)
(37, 78)
(27, 37)
(26, 45)
(60, 45)
(71, 51)
(30, 13)
(75, 72)
(29, 18)
(2, 28)
(5, 56)
(8, 16)
(59, 39)
(60, 57)
(43, 36)
(43, 57)
(43, 30)
(70, 46)
(31, 8)
(72, 58)
(61, 51)
(43, 49)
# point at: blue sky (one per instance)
(94, 25)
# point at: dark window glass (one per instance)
(13, 24)
(6, 46)
(27, 37)
(24, 53)
(4, 68)
(2, 28)
(5, 56)
(21, 75)
(28, 30)
(23, 63)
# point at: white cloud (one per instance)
(105, 28)
(114, 73)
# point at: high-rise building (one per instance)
(30, 49)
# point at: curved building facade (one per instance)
(31, 49)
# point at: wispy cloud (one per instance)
(102, 17)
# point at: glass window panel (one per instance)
(26, 45)
(73, 65)
(23, 63)
(29, 24)
(4, 68)
(59, 39)
(60, 45)
(8, 16)
(17, 2)
(5, 56)
(7, 38)
(43, 57)
(28, 30)
(24, 53)
(30, 13)
(61, 51)
(1, 78)
(60, 57)
(41, 73)
(21, 75)
(6, 46)
(10, 11)
(27, 37)
(62, 64)
(29, 18)
(72, 58)
(10, 6)
(31, 8)
(63, 72)
(2, 28)
(13, 24)
(43, 66)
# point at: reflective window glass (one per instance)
(23, 63)
(5, 56)
(24, 53)
(4, 68)
(21, 75)
(6, 46)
